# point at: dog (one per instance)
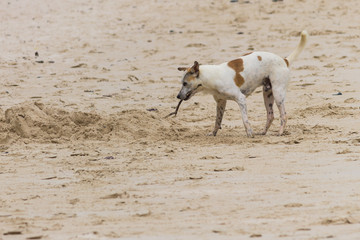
(237, 79)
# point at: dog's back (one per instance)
(259, 66)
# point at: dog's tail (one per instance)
(299, 48)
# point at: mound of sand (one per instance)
(38, 122)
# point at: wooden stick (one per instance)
(176, 110)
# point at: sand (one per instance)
(86, 153)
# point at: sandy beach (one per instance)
(87, 153)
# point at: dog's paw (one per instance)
(250, 133)
(283, 133)
(263, 132)
(212, 134)
(260, 133)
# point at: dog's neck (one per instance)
(208, 75)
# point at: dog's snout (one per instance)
(178, 96)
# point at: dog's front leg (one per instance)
(242, 104)
(220, 109)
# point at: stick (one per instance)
(176, 110)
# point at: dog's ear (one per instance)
(182, 68)
(195, 67)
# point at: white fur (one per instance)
(259, 68)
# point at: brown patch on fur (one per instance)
(190, 78)
(287, 62)
(260, 58)
(191, 73)
(238, 66)
(247, 53)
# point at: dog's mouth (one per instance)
(188, 95)
(191, 93)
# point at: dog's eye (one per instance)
(184, 84)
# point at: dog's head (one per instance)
(191, 83)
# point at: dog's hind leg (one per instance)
(269, 102)
(279, 97)
(279, 80)
(220, 108)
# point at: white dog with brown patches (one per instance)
(237, 79)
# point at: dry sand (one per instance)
(86, 153)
